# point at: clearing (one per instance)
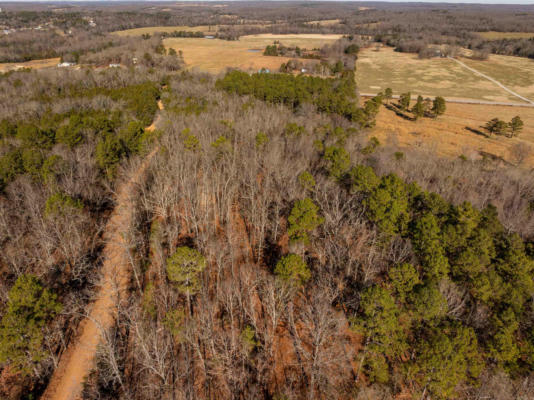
(403, 72)
(449, 135)
(35, 64)
(215, 55)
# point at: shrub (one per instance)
(61, 203)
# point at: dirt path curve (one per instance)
(489, 78)
(79, 357)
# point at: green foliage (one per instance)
(387, 205)
(418, 109)
(60, 203)
(337, 161)
(7, 128)
(72, 133)
(31, 135)
(376, 368)
(292, 269)
(108, 154)
(222, 145)
(271, 50)
(191, 143)
(132, 136)
(303, 219)
(353, 49)
(378, 320)
(371, 146)
(10, 166)
(261, 140)
(363, 179)
(515, 126)
(306, 180)
(428, 303)
(439, 106)
(496, 126)
(184, 268)
(388, 94)
(29, 309)
(427, 242)
(52, 167)
(336, 96)
(404, 101)
(447, 357)
(248, 337)
(294, 130)
(32, 162)
(404, 278)
(174, 321)
(148, 303)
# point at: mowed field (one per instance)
(449, 135)
(403, 72)
(35, 64)
(214, 55)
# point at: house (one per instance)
(209, 37)
(114, 65)
(66, 64)
(264, 71)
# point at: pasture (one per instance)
(214, 55)
(405, 72)
(34, 64)
(458, 132)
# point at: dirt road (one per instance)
(79, 358)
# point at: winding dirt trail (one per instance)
(79, 358)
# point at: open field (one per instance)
(492, 35)
(214, 55)
(516, 73)
(35, 64)
(403, 72)
(324, 22)
(449, 135)
(154, 29)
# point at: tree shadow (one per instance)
(399, 112)
(477, 132)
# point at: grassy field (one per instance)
(516, 73)
(449, 135)
(154, 29)
(213, 55)
(35, 64)
(403, 72)
(492, 35)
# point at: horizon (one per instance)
(488, 2)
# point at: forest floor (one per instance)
(78, 359)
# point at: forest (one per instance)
(277, 250)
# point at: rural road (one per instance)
(78, 359)
(489, 78)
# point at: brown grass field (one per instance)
(492, 35)
(214, 55)
(449, 135)
(403, 72)
(34, 64)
